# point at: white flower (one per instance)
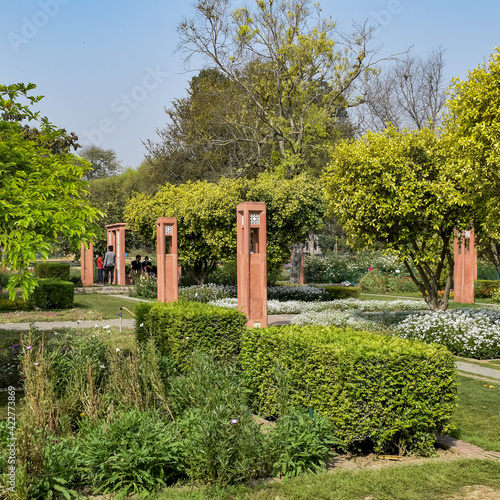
(142, 324)
(117, 349)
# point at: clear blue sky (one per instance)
(108, 68)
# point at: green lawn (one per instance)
(109, 306)
(434, 480)
(477, 417)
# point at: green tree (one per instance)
(393, 188)
(295, 73)
(104, 162)
(42, 194)
(206, 214)
(473, 135)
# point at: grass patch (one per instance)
(432, 480)
(477, 417)
(86, 307)
(108, 307)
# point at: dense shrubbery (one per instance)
(376, 281)
(336, 268)
(207, 293)
(53, 294)
(485, 289)
(342, 292)
(15, 305)
(126, 421)
(179, 328)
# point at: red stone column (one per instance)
(465, 271)
(87, 264)
(166, 259)
(116, 237)
(252, 262)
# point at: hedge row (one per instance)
(380, 391)
(53, 294)
(179, 328)
(342, 292)
(57, 270)
(375, 389)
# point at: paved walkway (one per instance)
(478, 370)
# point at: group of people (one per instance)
(106, 266)
(145, 267)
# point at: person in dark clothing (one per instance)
(109, 265)
(147, 266)
(136, 266)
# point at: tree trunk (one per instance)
(296, 263)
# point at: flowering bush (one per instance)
(207, 293)
(146, 286)
(299, 307)
(465, 332)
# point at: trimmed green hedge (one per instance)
(342, 292)
(381, 391)
(15, 305)
(484, 289)
(179, 328)
(54, 294)
(56, 270)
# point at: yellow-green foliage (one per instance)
(473, 135)
(375, 389)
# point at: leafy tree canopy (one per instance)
(42, 193)
(206, 214)
(393, 188)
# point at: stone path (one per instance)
(478, 370)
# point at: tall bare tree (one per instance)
(409, 94)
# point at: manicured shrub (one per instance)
(53, 294)
(484, 289)
(179, 328)
(60, 270)
(342, 292)
(15, 305)
(296, 292)
(379, 390)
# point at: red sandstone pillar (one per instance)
(251, 262)
(87, 264)
(465, 271)
(166, 259)
(116, 237)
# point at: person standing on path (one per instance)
(109, 265)
(100, 270)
